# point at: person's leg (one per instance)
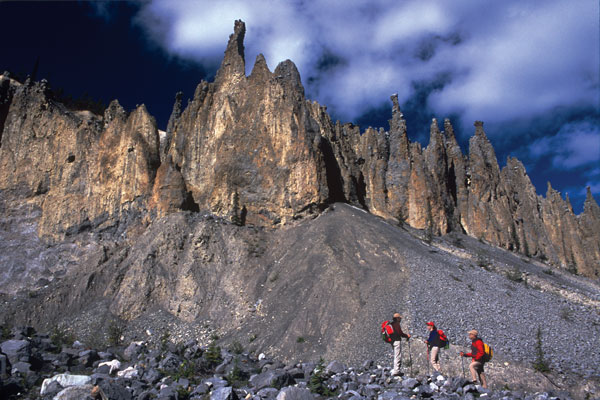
(483, 380)
(434, 358)
(397, 358)
(473, 369)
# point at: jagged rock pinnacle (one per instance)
(234, 63)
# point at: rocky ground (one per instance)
(42, 366)
(322, 287)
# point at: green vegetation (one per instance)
(164, 341)
(61, 337)
(540, 363)
(400, 217)
(213, 354)
(186, 369)
(549, 272)
(300, 339)
(237, 378)
(182, 393)
(318, 381)
(115, 332)
(515, 275)
(236, 348)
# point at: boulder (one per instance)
(335, 367)
(83, 392)
(65, 380)
(295, 393)
(133, 350)
(115, 391)
(271, 378)
(223, 393)
(16, 350)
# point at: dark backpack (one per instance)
(386, 331)
(444, 342)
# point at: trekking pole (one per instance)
(462, 362)
(410, 357)
(428, 373)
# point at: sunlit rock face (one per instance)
(253, 149)
(249, 144)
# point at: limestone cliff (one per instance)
(255, 150)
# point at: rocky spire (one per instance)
(397, 123)
(260, 71)
(175, 114)
(233, 63)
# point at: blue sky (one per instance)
(528, 69)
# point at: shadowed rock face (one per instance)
(253, 149)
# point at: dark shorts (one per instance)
(478, 366)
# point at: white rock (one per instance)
(65, 380)
(128, 373)
(261, 356)
(114, 365)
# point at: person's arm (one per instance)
(430, 339)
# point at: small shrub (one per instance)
(236, 348)
(300, 339)
(164, 341)
(540, 363)
(458, 242)
(213, 354)
(482, 262)
(400, 218)
(252, 337)
(115, 332)
(549, 272)
(515, 275)
(186, 370)
(566, 314)
(237, 377)
(5, 333)
(61, 337)
(318, 381)
(183, 393)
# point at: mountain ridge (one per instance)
(256, 214)
(258, 142)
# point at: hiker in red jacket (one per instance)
(396, 337)
(434, 343)
(477, 353)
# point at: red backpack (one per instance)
(445, 343)
(386, 331)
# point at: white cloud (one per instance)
(507, 60)
(575, 145)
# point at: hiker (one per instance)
(396, 338)
(477, 353)
(434, 344)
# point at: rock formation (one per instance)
(255, 150)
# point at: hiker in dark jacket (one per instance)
(396, 337)
(477, 353)
(434, 343)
